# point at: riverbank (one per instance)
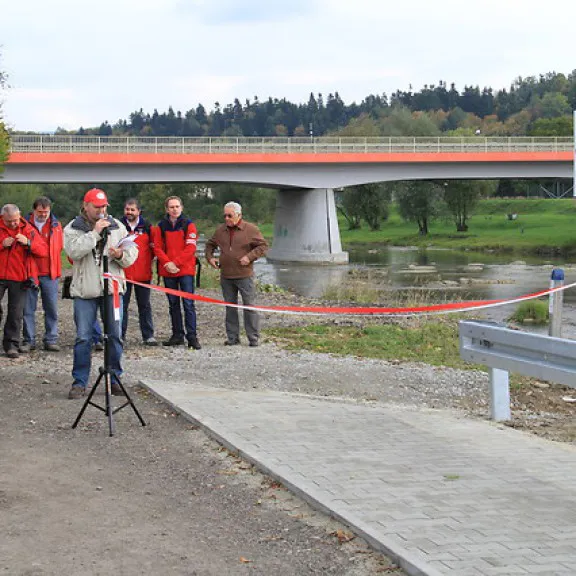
(522, 226)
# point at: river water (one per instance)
(473, 274)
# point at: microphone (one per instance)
(104, 232)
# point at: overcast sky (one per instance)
(75, 63)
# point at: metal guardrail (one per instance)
(45, 143)
(504, 350)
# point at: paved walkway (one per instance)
(441, 495)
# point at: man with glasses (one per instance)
(240, 244)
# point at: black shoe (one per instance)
(193, 343)
(98, 346)
(253, 343)
(232, 343)
(174, 341)
(115, 389)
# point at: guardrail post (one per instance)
(555, 303)
(499, 394)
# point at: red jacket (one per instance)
(175, 243)
(17, 262)
(50, 265)
(141, 270)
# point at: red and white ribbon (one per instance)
(466, 306)
(115, 296)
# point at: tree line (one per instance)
(534, 106)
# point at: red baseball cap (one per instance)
(96, 197)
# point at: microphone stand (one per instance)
(105, 371)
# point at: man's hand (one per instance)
(101, 224)
(22, 239)
(214, 263)
(115, 253)
(7, 242)
(245, 261)
(171, 268)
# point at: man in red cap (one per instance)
(19, 243)
(86, 239)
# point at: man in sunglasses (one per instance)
(240, 243)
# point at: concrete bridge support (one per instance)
(306, 228)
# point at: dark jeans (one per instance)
(144, 310)
(231, 287)
(184, 284)
(13, 324)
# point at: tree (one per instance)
(461, 196)
(348, 205)
(3, 132)
(368, 201)
(419, 201)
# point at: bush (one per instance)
(531, 312)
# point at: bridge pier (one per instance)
(306, 228)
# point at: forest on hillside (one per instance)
(533, 106)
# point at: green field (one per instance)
(542, 226)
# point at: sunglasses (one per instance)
(228, 215)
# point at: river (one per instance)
(475, 274)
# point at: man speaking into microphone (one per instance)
(86, 239)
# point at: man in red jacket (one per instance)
(175, 247)
(49, 270)
(19, 243)
(140, 271)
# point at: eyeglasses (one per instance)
(228, 215)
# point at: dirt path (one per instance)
(165, 499)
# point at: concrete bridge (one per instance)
(305, 171)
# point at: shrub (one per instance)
(531, 312)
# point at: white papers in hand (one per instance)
(127, 242)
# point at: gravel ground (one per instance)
(167, 499)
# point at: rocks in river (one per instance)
(414, 269)
(475, 267)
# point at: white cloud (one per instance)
(99, 60)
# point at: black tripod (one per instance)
(105, 371)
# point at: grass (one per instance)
(541, 227)
(531, 312)
(434, 343)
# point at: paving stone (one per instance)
(443, 495)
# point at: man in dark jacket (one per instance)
(174, 242)
(19, 243)
(140, 271)
(49, 270)
(240, 243)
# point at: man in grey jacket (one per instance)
(85, 243)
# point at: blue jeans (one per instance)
(97, 333)
(184, 284)
(144, 310)
(85, 314)
(48, 289)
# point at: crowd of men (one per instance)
(31, 265)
